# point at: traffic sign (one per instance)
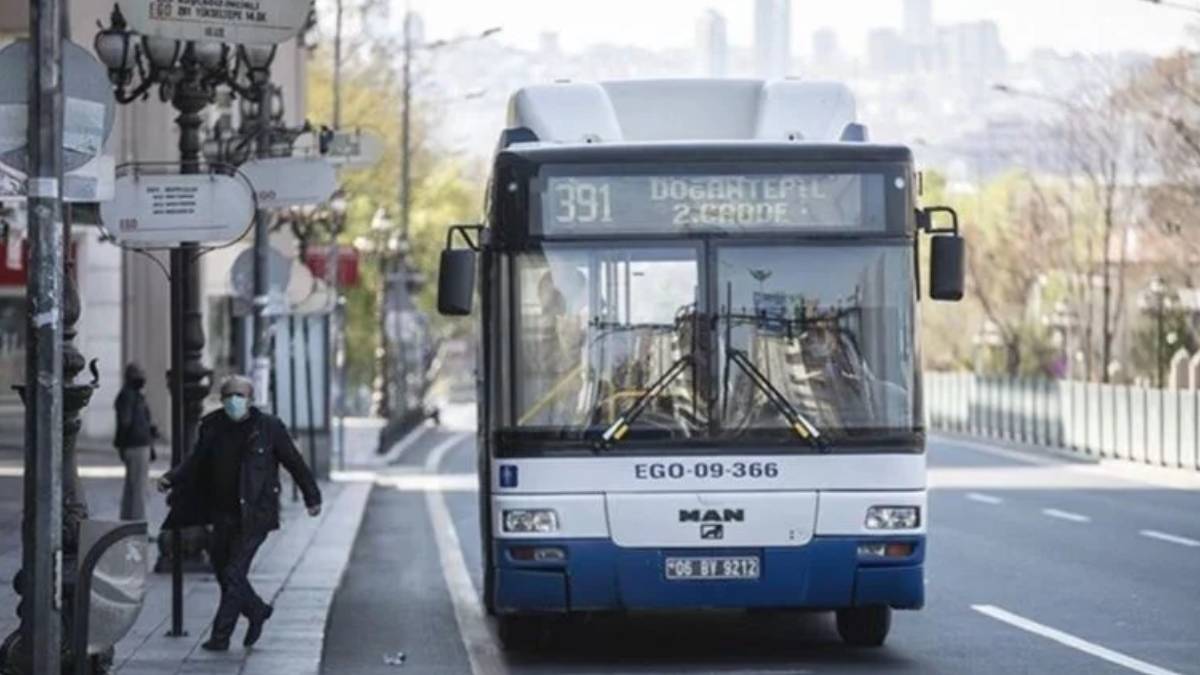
(353, 149)
(89, 108)
(170, 209)
(231, 21)
(241, 274)
(280, 182)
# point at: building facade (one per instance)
(124, 295)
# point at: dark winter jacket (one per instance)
(269, 446)
(134, 426)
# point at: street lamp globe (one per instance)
(338, 205)
(118, 53)
(210, 55)
(1158, 287)
(162, 52)
(381, 222)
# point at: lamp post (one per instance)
(1157, 300)
(187, 74)
(382, 228)
(1063, 321)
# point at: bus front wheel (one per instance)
(864, 626)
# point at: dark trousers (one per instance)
(231, 551)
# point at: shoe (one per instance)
(256, 625)
(216, 645)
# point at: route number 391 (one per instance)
(580, 202)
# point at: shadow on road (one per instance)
(740, 642)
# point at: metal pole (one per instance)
(406, 128)
(308, 394)
(262, 244)
(1158, 346)
(337, 65)
(292, 388)
(177, 434)
(42, 531)
(333, 366)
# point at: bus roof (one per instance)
(708, 151)
(637, 111)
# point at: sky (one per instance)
(1090, 26)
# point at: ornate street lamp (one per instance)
(1063, 322)
(1156, 300)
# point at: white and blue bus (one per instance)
(699, 383)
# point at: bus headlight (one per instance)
(893, 518)
(530, 520)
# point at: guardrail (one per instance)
(1153, 426)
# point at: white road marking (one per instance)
(1071, 641)
(482, 646)
(1174, 539)
(984, 499)
(1067, 515)
(397, 451)
(84, 472)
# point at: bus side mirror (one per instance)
(456, 282)
(947, 274)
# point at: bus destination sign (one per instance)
(685, 203)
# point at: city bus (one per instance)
(699, 380)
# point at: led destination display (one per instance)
(684, 203)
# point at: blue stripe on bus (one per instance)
(598, 575)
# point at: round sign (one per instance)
(241, 275)
(88, 113)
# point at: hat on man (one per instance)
(237, 384)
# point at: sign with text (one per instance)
(231, 21)
(281, 182)
(170, 209)
(684, 203)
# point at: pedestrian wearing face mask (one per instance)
(134, 441)
(231, 481)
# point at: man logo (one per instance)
(712, 516)
(712, 531)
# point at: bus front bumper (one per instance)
(584, 575)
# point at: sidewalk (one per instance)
(298, 570)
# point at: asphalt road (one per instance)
(1034, 566)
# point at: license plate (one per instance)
(697, 568)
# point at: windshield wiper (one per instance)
(797, 421)
(617, 430)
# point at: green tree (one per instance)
(442, 194)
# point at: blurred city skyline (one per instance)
(1087, 26)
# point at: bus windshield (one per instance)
(735, 348)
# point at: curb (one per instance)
(294, 642)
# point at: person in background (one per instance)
(134, 441)
(231, 481)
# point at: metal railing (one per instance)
(1153, 426)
